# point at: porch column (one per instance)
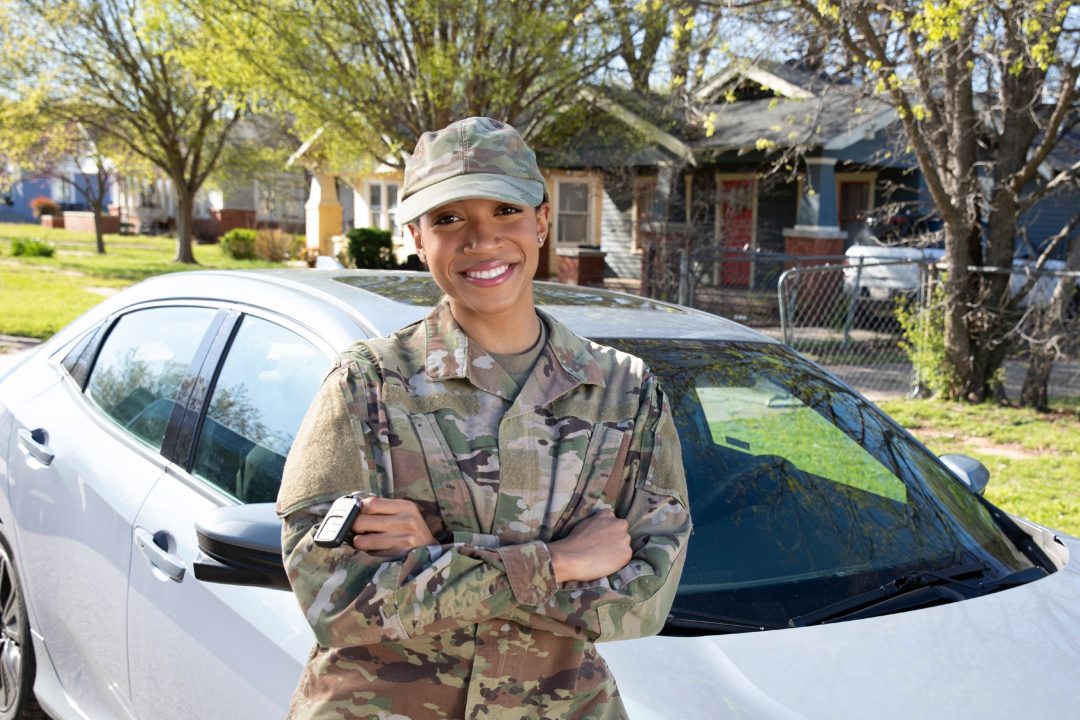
(323, 214)
(817, 205)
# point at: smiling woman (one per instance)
(520, 489)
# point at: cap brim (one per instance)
(486, 186)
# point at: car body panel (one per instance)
(232, 652)
(1006, 655)
(74, 534)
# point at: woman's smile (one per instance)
(490, 273)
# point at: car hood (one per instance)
(1015, 653)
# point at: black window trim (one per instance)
(212, 365)
(89, 348)
(195, 389)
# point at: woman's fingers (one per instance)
(381, 542)
(390, 525)
(387, 506)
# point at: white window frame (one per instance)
(383, 219)
(591, 182)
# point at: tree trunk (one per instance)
(1057, 330)
(185, 210)
(1034, 393)
(957, 300)
(99, 236)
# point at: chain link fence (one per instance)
(846, 313)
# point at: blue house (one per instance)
(15, 200)
(774, 158)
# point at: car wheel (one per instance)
(17, 700)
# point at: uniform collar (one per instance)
(450, 355)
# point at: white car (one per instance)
(888, 272)
(837, 570)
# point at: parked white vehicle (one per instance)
(885, 272)
(888, 272)
(837, 570)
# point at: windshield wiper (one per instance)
(680, 619)
(906, 583)
(1020, 577)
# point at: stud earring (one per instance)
(540, 239)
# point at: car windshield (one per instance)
(801, 492)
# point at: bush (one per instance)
(239, 244)
(42, 205)
(371, 248)
(923, 341)
(278, 245)
(32, 247)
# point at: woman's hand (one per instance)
(598, 546)
(390, 527)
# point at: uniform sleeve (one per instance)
(354, 598)
(635, 601)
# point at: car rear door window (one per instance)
(265, 385)
(137, 374)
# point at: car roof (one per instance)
(382, 301)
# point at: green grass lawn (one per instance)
(1033, 458)
(40, 295)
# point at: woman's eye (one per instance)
(508, 210)
(446, 219)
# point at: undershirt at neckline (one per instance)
(519, 365)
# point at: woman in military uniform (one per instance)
(521, 490)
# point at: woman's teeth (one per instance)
(487, 274)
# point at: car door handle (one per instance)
(164, 561)
(36, 444)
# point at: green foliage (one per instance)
(42, 205)
(923, 330)
(518, 62)
(32, 247)
(239, 243)
(113, 70)
(1033, 457)
(371, 248)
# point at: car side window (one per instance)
(137, 373)
(265, 386)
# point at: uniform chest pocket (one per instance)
(600, 481)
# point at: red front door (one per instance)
(735, 235)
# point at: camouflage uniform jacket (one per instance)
(477, 627)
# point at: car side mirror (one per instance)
(970, 471)
(241, 545)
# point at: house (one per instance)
(249, 193)
(772, 160)
(60, 184)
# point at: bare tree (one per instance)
(984, 92)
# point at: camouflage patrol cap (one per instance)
(472, 158)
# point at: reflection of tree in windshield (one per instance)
(801, 492)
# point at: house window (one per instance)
(382, 205)
(280, 198)
(573, 218)
(662, 207)
(65, 191)
(148, 194)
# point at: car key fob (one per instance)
(336, 528)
